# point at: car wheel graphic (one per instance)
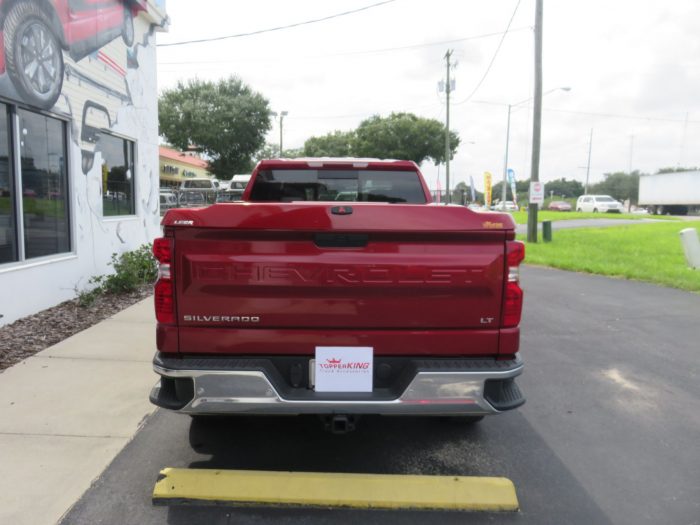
(33, 55)
(128, 28)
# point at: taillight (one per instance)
(164, 293)
(513, 294)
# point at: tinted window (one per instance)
(44, 184)
(8, 231)
(338, 185)
(604, 199)
(117, 175)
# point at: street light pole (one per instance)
(504, 193)
(282, 115)
(505, 168)
(448, 196)
(588, 165)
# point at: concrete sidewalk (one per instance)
(67, 411)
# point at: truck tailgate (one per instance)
(380, 268)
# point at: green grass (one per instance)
(643, 252)
(545, 215)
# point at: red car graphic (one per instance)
(34, 34)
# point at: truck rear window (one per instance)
(338, 185)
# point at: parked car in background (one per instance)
(192, 198)
(559, 206)
(237, 185)
(598, 203)
(229, 196)
(505, 206)
(204, 186)
(168, 199)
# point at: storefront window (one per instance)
(44, 184)
(117, 175)
(8, 231)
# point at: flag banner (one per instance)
(471, 185)
(511, 179)
(487, 188)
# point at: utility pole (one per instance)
(588, 165)
(536, 123)
(448, 87)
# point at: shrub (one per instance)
(131, 271)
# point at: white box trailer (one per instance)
(670, 193)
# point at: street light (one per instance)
(504, 192)
(282, 114)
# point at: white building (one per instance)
(78, 143)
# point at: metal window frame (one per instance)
(16, 178)
(133, 142)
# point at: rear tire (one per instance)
(33, 55)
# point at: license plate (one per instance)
(343, 369)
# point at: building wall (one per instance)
(173, 172)
(108, 93)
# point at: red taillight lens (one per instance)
(513, 294)
(164, 296)
(512, 305)
(515, 252)
(161, 250)
(164, 300)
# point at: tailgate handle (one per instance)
(341, 240)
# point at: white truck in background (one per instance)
(674, 193)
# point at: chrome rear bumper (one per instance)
(438, 387)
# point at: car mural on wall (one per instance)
(52, 50)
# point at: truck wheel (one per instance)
(33, 55)
(128, 28)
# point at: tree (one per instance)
(564, 188)
(226, 120)
(619, 185)
(676, 170)
(336, 144)
(272, 151)
(403, 136)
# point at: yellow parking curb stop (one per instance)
(320, 489)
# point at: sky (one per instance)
(633, 69)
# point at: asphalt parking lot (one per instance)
(609, 433)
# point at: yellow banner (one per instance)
(487, 188)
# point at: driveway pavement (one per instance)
(609, 433)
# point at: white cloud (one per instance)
(638, 58)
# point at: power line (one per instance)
(278, 28)
(493, 59)
(350, 53)
(597, 113)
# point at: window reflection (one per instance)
(117, 175)
(8, 232)
(44, 184)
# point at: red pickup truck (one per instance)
(337, 288)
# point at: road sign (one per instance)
(536, 193)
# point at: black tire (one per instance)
(128, 28)
(595, 210)
(36, 74)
